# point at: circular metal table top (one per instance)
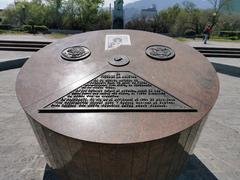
(46, 76)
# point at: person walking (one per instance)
(206, 33)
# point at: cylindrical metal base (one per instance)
(76, 159)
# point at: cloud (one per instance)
(4, 3)
(107, 2)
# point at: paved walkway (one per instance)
(219, 144)
(199, 43)
(27, 37)
(216, 156)
(41, 37)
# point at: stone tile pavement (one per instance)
(20, 155)
(9, 55)
(199, 43)
(216, 156)
(219, 144)
(27, 37)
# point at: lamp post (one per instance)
(214, 17)
(24, 14)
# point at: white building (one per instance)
(149, 13)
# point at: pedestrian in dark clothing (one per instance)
(206, 33)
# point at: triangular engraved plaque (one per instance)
(117, 91)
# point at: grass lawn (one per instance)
(182, 39)
(2, 32)
(57, 35)
(62, 35)
(220, 39)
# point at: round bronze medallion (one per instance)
(119, 60)
(75, 53)
(160, 52)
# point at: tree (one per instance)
(53, 13)
(85, 15)
(229, 22)
(23, 12)
(140, 24)
(218, 6)
(74, 14)
(165, 19)
(71, 11)
(189, 6)
(181, 24)
(193, 16)
(104, 20)
(88, 14)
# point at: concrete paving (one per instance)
(219, 144)
(216, 156)
(199, 43)
(27, 37)
(10, 55)
(20, 155)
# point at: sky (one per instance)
(107, 2)
(4, 3)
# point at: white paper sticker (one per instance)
(113, 41)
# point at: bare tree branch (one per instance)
(218, 5)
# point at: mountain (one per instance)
(134, 9)
(163, 4)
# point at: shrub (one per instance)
(27, 28)
(234, 37)
(17, 29)
(5, 27)
(190, 33)
(42, 29)
(229, 33)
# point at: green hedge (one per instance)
(27, 28)
(42, 29)
(5, 27)
(229, 34)
(189, 33)
(35, 29)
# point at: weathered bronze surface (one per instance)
(160, 52)
(119, 60)
(117, 91)
(73, 159)
(117, 120)
(46, 77)
(75, 53)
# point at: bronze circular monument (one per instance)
(95, 120)
(75, 53)
(160, 52)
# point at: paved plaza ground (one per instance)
(27, 37)
(216, 156)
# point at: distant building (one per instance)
(233, 6)
(149, 13)
(118, 12)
